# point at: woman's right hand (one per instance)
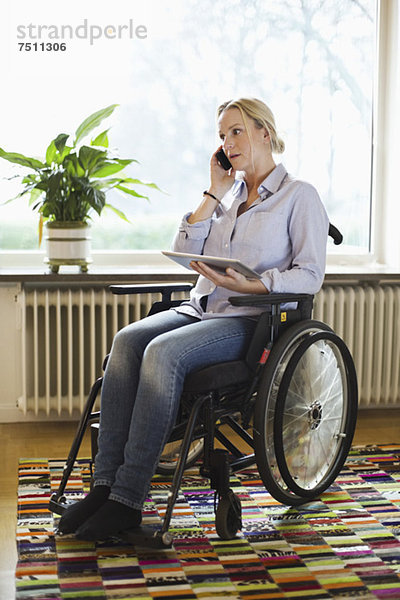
(221, 180)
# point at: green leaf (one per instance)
(131, 192)
(20, 159)
(90, 157)
(101, 139)
(57, 150)
(64, 154)
(30, 178)
(96, 199)
(42, 185)
(73, 166)
(53, 186)
(60, 141)
(146, 183)
(118, 212)
(106, 184)
(51, 153)
(35, 194)
(93, 121)
(111, 167)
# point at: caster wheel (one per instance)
(228, 517)
(54, 268)
(167, 539)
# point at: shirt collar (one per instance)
(270, 185)
(273, 181)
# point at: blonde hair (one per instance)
(262, 117)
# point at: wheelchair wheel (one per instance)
(315, 414)
(171, 452)
(228, 516)
(264, 412)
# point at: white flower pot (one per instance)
(67, 243)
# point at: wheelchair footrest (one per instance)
(146, 536)
(59, 505)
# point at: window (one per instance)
(312, 61)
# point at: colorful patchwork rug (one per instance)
(345, 545)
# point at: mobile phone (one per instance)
(223, 160)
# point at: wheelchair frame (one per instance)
(213, 408)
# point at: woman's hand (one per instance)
(231, 279)
(221, 180)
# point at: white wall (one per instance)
(10, 353)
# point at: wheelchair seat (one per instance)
(220, 375)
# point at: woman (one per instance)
(255, 212)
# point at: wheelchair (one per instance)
(296, 392)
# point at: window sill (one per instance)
(147, 266)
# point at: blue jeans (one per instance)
(142, 386)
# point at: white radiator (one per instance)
(368, 319)
(67, 332)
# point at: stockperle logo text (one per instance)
(84, 31)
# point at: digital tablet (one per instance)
(216, 262)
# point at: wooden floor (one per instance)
(52, 440)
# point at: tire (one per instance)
(315, 414)
(170, 455)
(264, 411)
(228, 516)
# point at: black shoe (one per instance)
(111, 518)
(76, 514)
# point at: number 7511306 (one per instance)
(42, 46)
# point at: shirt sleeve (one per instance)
(308, 226)
(191, 238)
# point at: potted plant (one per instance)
(70, 185)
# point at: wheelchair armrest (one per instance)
(267, 299)
(305, 301)
(165, 289)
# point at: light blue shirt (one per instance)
(282, 236)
